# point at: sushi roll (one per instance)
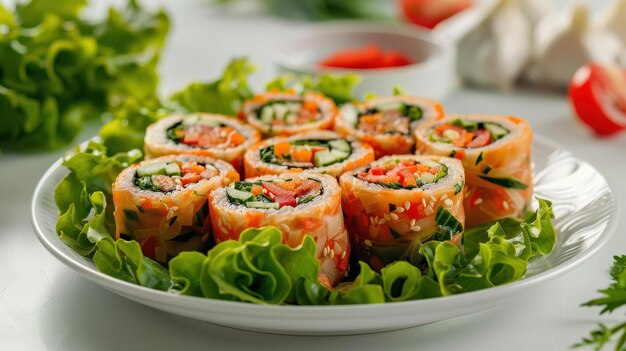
(201, 134)
(318, 152)
(298, 204)
(284, 113)
(496, 153)
(162, 203)
(391, 205)
(386, 123)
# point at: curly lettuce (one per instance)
(493, 253)
(259, 268)
(59, 69)
(337, 87)
(130, 118)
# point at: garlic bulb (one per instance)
(613, 18)
(495, 52)
(566, 41)
(535, 10)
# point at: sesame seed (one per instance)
(393, 216)
(332, 254)
(368, 242)
(478, 201)
(400, 209)
(443, 197)
(416, 228)
(382, 221)
(467, 194)
(372, 220)
(431, 204)
(407, 205)
(424, 202)
(343, 255)
(505, 205)
(448, 202)
(433, 198)
(413, 222)
(428, 211)
(386, 216)
(325, 251)
(285, 227)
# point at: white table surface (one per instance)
(46, 306)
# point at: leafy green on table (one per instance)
(59, 69)
(317, 10)
(337, 87)
(613, 297)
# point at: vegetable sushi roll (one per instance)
(318, 152)
(496, 154)
(298, 204)
(391, 205)
(201, 134)
(283, 113)
(386, 123)
(162, 203)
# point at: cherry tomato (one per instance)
(598, 95)
(481, 138)
(429, 13)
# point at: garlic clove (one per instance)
(566, 41)
(495, 52)
(613, 18)
(535, 10)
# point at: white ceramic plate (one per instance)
(585, 218)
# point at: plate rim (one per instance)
(306, 312)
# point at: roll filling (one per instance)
(386, 123)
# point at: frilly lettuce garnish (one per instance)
(337, 87)
(259, 268)
(493, 254)
(59, 69)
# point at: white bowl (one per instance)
(432, 75)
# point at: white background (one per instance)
(45, 306)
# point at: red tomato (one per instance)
(377, 171)
(286, 201)
(367, 57)
(148, 247)
(277, 190)
(428, 13)
(481, 138)
(598, 95)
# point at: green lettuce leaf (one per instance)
(185, 270)
(129, 118)
(366, 288)
(246, 270)
(59, 69)
(493, 254)
(337, 87)
(224, 95)
(402, 282)
(127, 127)
(302, 266)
